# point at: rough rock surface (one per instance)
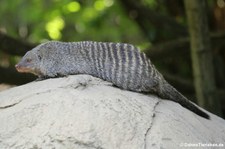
(83, 112)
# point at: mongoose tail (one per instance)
(169, 92)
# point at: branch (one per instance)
(168, 49)
(13, 46)
(145, 17)
(180, 46)
(178, 82)
(11, 76)
(186, 85)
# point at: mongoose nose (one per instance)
(17, 66)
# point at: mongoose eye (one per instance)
(28, 60)
(39, 57)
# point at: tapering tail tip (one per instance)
(169, 92)
(202, 114)
(194, 108)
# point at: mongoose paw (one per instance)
(41, 78)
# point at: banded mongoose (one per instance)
(120, 63)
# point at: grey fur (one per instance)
(120, 63)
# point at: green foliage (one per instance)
(68, 20)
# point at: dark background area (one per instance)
(158, 27)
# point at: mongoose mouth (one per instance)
(22, 69)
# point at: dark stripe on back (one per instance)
(84, 55)
(154, 72)
(136, 74)
(130, 65)
(110, 61)
(94, 58)
(123, 65)
(116, 65)
(84, 50)
(145, 65)
(97, 50)
(137, 56)
(103, 59)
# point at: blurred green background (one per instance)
(40, 20)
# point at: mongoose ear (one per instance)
(49, 48)
(40, 53)
(39, 57)
(46, 51)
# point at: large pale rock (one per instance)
(83, 112)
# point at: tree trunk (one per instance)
(201, 54)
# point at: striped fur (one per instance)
(120, 63)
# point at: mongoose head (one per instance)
(40, 60)
(30, 63)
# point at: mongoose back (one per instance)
(120, 63)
